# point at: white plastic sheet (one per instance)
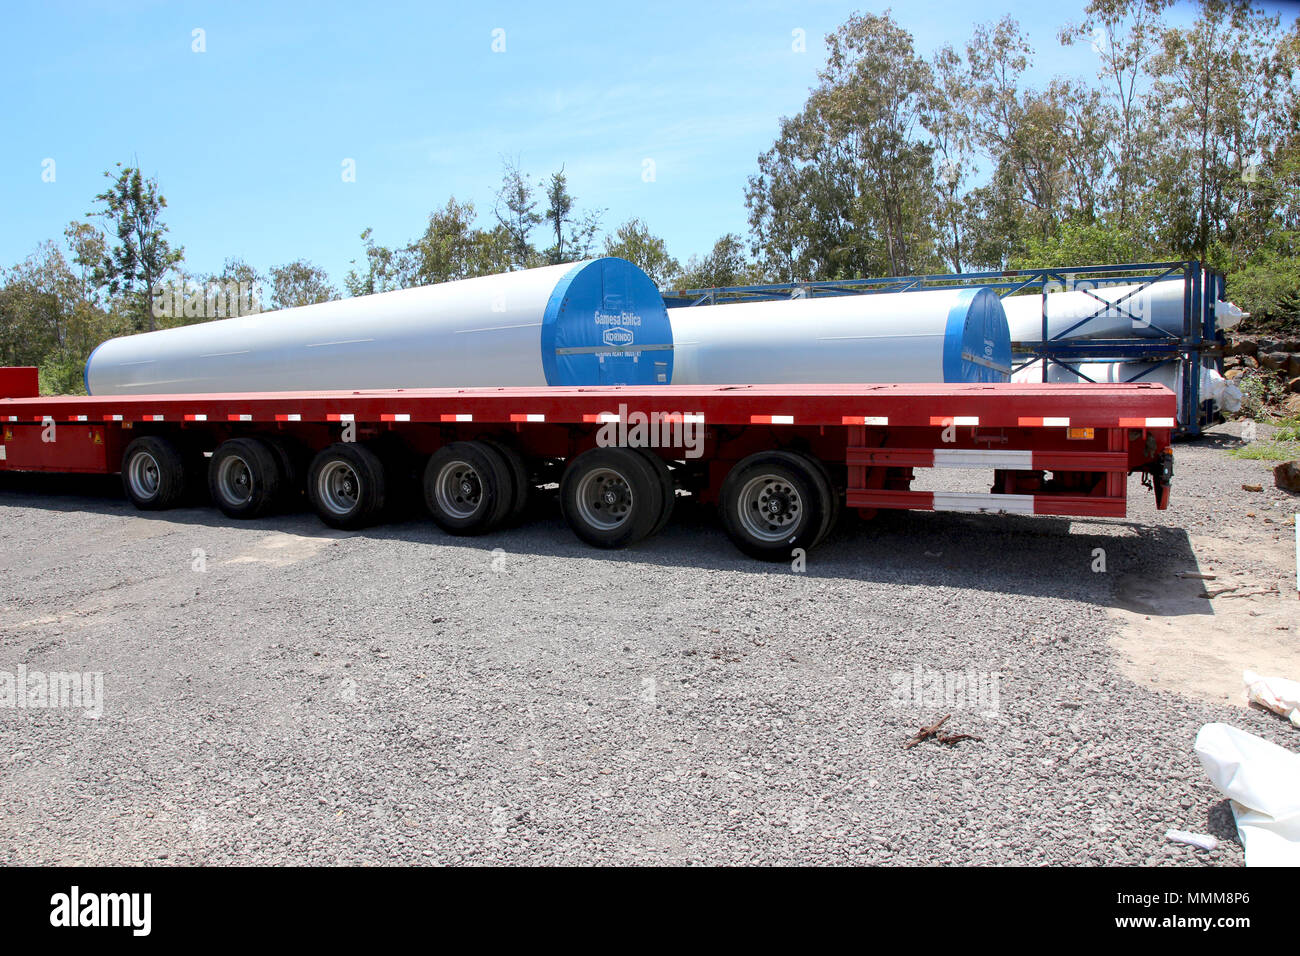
(1263, 782)
(1278, 694)
(1213, 385)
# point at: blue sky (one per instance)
(248, 138)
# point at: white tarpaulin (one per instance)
(1263, 782)
(1278, 694)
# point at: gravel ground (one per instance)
(275, 692)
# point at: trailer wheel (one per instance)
(153, 473)
(610, 497)
(245, 478)
(518, 476)
(774, 502)
(292, 462)
(468, 488)
(346, 485)
(667, 486)
(835, 513)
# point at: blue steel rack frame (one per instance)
(1200, 338)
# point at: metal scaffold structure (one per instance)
(1192, 341)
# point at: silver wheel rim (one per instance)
(458, 490)
(143, 474)
(604, 499)
(235, 480)
(769, 508)
(338, 487)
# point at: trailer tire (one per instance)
(153, 473)
(835, 509)
(293, 465)
(773, 503)
(347, 485)
(245, 478)
(518, 477)
(469, 488)
(669, 489)
(610, 497)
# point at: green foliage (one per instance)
(1268, 451)
(847, 189)
(300, 283)
(1268, 287)
(453, 248)
(132, 206)
(574, 235)
(634, 242)
(1287, 429)
(386, 269)
(1079, 242)
(1260, 391)
(725, 265)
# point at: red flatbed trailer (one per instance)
(780, 460)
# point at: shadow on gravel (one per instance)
(1220, 823)
(1009, 554)
(1221, 440)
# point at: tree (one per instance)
(947, 118)
(574, 235)
(847, 190)
(88, 246)
(634, 242)
(452, 247)
(386, 269)
(1218, 84)
(725, 265)
(300, 283)
(1125, 34)
(516, 213)
(133, 206)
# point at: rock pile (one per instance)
(1279, 356)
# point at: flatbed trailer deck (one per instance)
(780, 461)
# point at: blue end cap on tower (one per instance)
(977, 341)
(606, 324)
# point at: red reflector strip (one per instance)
(602, 417)
(152, 418)
(340, 418)
(112, 418)
(864, 420)
(239, 418)
(460, 418)
(76, 418)
(399, 417)
(771, 419)
(946, 420)
(196, 418)
(1044, 423)
(288, 418)
(531, 417)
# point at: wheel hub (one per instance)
(770, 507)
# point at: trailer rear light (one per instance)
(1084, 433)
